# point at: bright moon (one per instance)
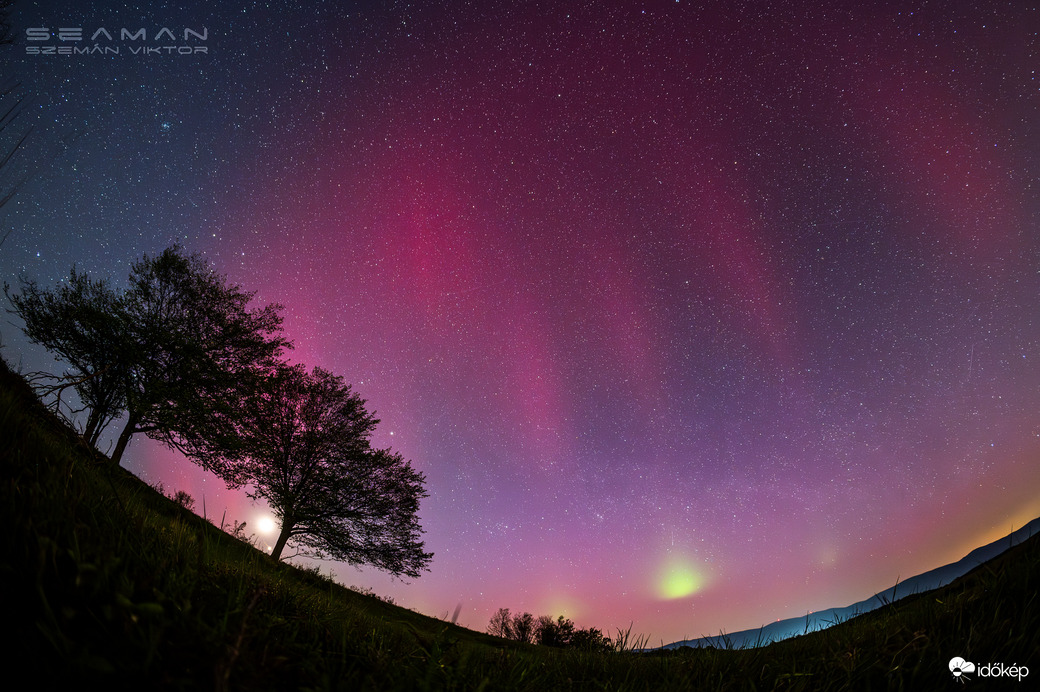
(265, 525)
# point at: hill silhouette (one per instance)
(822, 619)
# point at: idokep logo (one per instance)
(961, 669)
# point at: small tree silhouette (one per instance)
(520, 627)
(551, 632)
(590, 639)
(501, 624)
(524, 627)
(546, 631)
(184, 500)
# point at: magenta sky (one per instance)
(693, 316)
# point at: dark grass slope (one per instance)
(109, 585)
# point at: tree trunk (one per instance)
(90, 433)
(124, 437)
(94, 437)
(279, 545)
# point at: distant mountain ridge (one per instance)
(822, 619)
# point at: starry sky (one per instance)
(694, 315)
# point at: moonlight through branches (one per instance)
(303, 446)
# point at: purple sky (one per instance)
(695, 316)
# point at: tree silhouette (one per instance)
(590, 639)
(521, 627)
(175, 351)
(302, 444)
(546, 631)
(81, 322)
(501, 624)
(191, 365)
(191, 351)
(549, 632)
(524, 627)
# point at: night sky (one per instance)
(695, 315)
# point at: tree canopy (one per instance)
(302, 444)
(83, 323)
(174, 351)
(193, 348)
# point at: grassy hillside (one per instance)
(110, 583)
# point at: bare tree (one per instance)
(501, 624)
(520, 627)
